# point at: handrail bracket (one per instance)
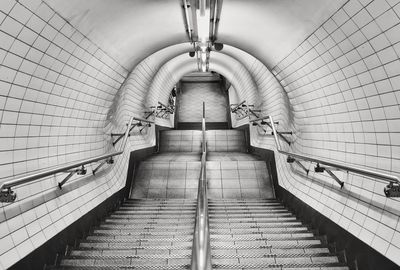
(7, 195)
(392, 189)
(80, 171)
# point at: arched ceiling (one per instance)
(271, 29)
(131, 30)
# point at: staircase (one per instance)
(141, 234)
(190, 99)
(245, 234)
(249, 228)
(262, 234)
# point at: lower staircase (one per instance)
(244, 234)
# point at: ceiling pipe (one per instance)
(188, 26)
(216, 6)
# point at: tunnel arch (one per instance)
(145, 72)
(173, 70)
(337, 88)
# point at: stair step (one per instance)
(166, 251)
(144, 221)
(156, 209)
(247, 200)
(244, 202)
(159, 204)
(253, 219)
(133, 238)
(247, 260)
(271, 224)
(265, 230)
(141, 233)
(163, 200)
(128, 245)
(249, 214)
(261, 237)
(83, 256)
(154, 216)
(119, 267)
(245, 210)
(272, 242)
(127, 262)
(245, 206)
(275, 245)
(148, 228)
(288, 252)
(265, 264)
(152, 212)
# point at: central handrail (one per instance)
(201, 250)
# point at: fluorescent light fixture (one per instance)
(203, 15)
(203, 25)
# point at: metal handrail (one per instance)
(237, 106)
(201, 250)
(258, 118)
(391, 179)
(139, 123)
(6, 186)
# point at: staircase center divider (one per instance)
(201, 250)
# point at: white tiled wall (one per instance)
(60, 97)
(341, 98)
(56, 88)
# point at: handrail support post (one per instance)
(7, 195)
(60, 184)
(80, 171)
(98, 167)
(302, 166)
(341, 183)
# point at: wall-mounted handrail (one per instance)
(391, 179)
(201, 250)
(7, 195)
(237, 106)
(162, 110)
(143, 119)
(258, 118)
(169, 109)
(139, 123)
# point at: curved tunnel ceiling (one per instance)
(183, 64)
(132, 30)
